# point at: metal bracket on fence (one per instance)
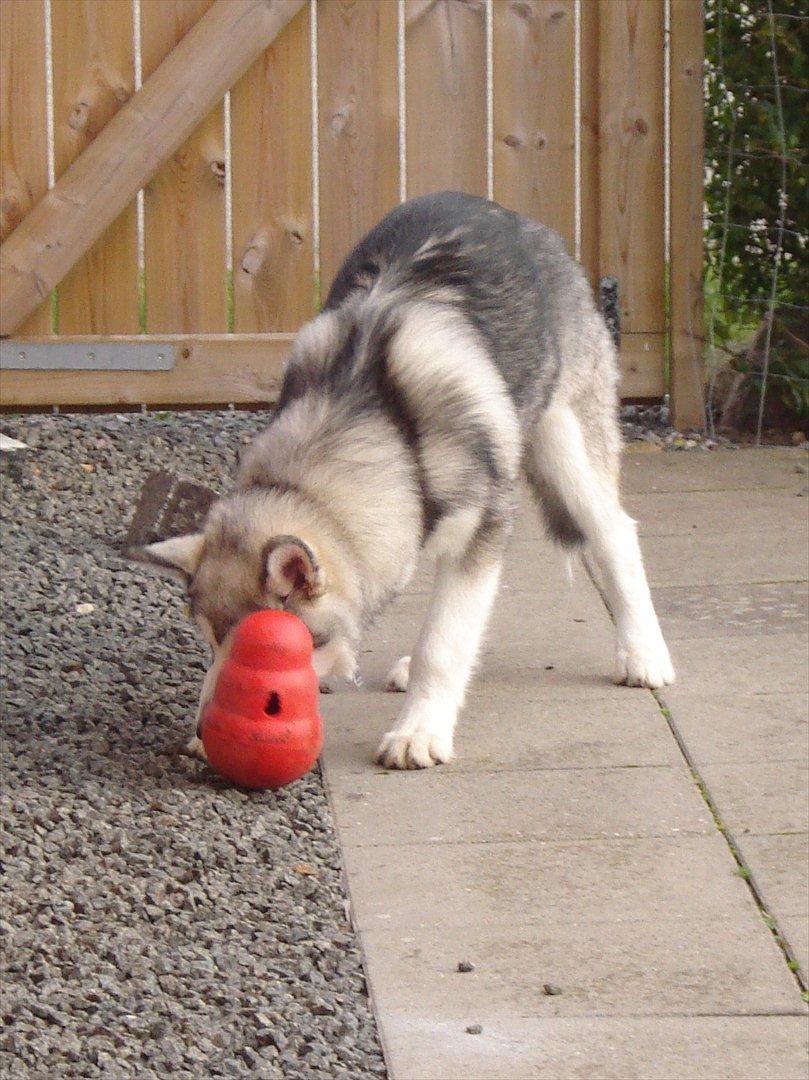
(610, 307)
(86, 356)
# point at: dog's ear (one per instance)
(290, 566)
(177, 557)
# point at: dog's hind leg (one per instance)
(577, 486)
(442, 662)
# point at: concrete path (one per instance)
(640, 855)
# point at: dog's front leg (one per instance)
(337, 657)
(441, 665)
(194, 747)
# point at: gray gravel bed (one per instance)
(155, 921)
(652, 424)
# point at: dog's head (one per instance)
(258, 549)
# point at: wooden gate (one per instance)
(187, 174)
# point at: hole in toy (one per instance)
(273, 706)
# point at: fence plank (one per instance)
(93, 76)
(446, 95)
(23, 137)
(631, 158)
(212, 369)
(588, 135)
(534, 115)
(687, 370)
(358, 122)
(643, 358)
(184, 203)
(136, 142)
(271, 141)
(23, 131)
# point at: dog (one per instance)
(459, 349)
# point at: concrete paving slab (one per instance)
(546, 804)
(567, 630)
(554, 667)
(558, 885)
(704, 559)
(602, 1048)
(750, 664)
(719, 470)
(707, 513)
(781, 868)
(729, 728)
(531, 565)
(781, 864)
(523, 640)
(688, 558)
(765, 797)
(732, 610)
(641, 968)
(608, 728)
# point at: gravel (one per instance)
(156, 922)
(651, 424)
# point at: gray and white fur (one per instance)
(458, 350)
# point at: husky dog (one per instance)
(459, 348)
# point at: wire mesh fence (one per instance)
(757, 232)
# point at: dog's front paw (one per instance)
(398, 676)
(416, 748)
(194, 748)
(648, 666)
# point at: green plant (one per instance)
(756, 195)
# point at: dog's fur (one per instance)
(458, 348)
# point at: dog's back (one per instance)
(458, 322)
(510, 277)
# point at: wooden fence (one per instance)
(336, 110)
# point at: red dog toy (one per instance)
(262, 728)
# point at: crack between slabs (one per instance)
(517, 840)
(768, 1014)
(742, 869)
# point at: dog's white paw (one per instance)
(648, 666)
(398, 676)
(194, 748)
(419, 748)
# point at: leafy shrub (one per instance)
(756, 195)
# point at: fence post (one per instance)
(686, 373)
